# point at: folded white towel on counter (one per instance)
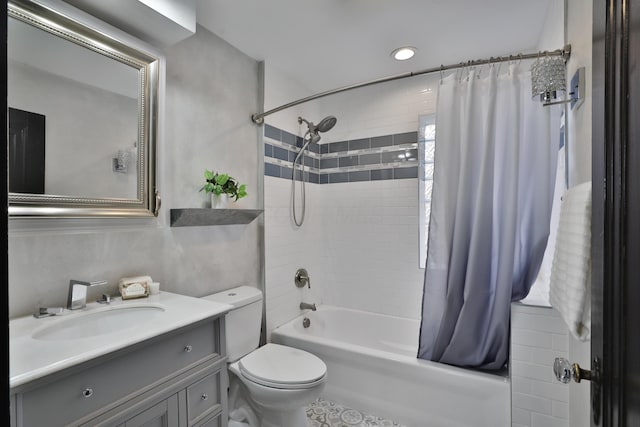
(570, 284)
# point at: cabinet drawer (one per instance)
(203, 397)
(213, 422)
(93, 388)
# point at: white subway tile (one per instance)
(532, 309)
(543, 356)
(520, 384)
(540, 420)
(560, 342)
(532, 403)
(560, 410)
(530, 338)
(540, 323)
(520, 417)
(555, 391)
(521, 353)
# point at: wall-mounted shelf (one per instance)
(205, 216)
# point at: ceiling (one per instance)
(325, 44)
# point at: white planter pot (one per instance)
(220, 202)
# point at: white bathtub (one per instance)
(372, 366)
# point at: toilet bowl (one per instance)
(278, 382)
(272, 383)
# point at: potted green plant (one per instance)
(222, 187)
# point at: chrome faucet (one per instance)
(78, 293)
(305, 306)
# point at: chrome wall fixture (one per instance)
(548, 78)
(549, 82)
(121, 162)
(302, 279)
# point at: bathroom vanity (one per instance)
(155, 361)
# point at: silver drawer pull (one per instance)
(204, 396)
(188, 349)
(87, 392)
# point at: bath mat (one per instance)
(324, 413)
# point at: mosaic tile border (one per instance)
(366, 159)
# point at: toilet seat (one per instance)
(279, 366)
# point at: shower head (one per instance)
(311, 136)
(325, 124)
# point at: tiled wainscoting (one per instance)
(365, 159)
(538, 336)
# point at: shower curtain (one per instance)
(494, 175)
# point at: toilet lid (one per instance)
(279, 366)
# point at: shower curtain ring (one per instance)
(441, 73)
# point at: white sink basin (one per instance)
(40, 347)
(99, 322)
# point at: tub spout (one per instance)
(305, 306)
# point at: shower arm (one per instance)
(565, 52)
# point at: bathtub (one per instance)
(372, 367)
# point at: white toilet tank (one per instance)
(242, 323)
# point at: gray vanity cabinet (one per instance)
(176, 379)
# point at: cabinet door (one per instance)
(163, 414)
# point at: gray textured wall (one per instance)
(211, 91)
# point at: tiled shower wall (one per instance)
(363, 231)
(538, 336)
(364, 159)
(359, 240)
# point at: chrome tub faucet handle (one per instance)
(302, 278)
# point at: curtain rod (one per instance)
(565, 52)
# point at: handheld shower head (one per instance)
(326, 124)
(311, 136)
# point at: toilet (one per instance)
(269, 386)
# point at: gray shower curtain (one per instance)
(494, 175)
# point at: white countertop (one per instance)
(31, 358)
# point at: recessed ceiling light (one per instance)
(403, 53)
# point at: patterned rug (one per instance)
(324, 413)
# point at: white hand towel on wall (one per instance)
(570, 287)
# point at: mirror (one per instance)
(82, 119)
